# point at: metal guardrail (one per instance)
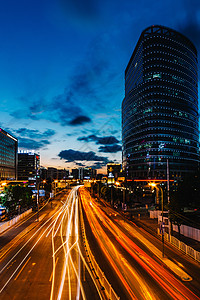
(105, 285)
(182, 246)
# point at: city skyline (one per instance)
(62, 72)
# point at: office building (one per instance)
(160, 108)
(8, 156)
(63, 174)
(59, 174)
(114, 169)
(43, 173)
(87, 173)
(52, 173)
(75, 173)
(28, 166)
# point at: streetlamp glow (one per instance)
(153, 184)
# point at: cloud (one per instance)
(107, 140)
(31, 138)
(62, 108)
(82, 13)
(80, 120)
(33, 133)
(110, 149)
(82, 95)
(73, 156)
(80, 164)
(98, 165)
(32, 144)
(190, 27)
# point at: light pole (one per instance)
(38, 188)
(153, 184)
(55, 186)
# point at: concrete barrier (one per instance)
(5, 225)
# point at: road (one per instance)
(45, 258)
(132, 259)
(48, 258)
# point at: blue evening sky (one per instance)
(62, 66)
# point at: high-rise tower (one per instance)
(160, 108)
(8, 156)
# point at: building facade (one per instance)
(84, 173)
(160, 108)
(58, 174)
(87, 173)
(114, 169)
(28, 166)
(8, 156)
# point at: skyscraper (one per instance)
(8, 155)
(160, 108)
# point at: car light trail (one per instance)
(99, 221)
(63, 230)
(68, 226)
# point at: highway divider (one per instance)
(105, 285)
(100, 276)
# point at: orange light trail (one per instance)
(99, 220)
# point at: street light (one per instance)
(55, 181)
(153, 184)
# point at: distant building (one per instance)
(84, 173)
(160, 108)
(43, 173)
(114, 169)
(28, 166)
(8, 155)
(63, 174)
(52, 173)
(75, 173)
(87, 173)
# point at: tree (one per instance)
(186, 195)
(26, 197)
(9, 199)
(175, 210)
(17, 196)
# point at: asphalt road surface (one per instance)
(132, 258)
(45, 258)
(48, 258)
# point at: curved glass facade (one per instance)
(160, 108)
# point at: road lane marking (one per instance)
(14, 241)
(11, 264)
(52, 271)
(22, 268)
(27, 253)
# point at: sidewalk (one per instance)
(151, 225)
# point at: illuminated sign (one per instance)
(41, 192)
(29, 152)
